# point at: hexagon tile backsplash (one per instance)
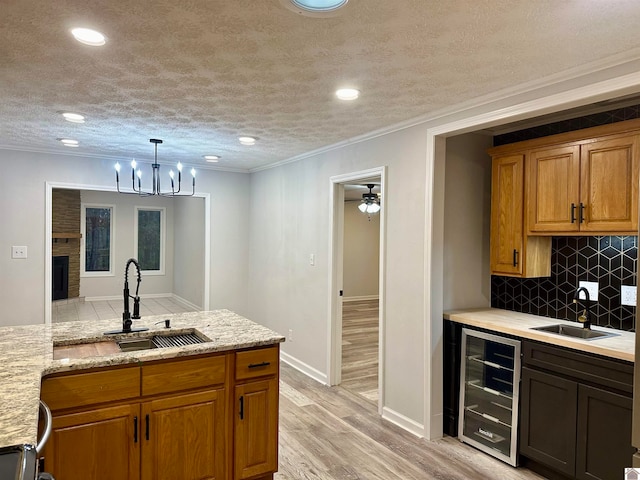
(609, 260)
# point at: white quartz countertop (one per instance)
(620, 346)
(26, 355)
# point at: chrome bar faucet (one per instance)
(585, 318)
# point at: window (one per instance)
(97, 231)
(150, 238)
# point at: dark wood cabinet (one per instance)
(575, 413)
(604, 434)
(548, 414)
(451, 376)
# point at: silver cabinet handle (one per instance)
(47, 427)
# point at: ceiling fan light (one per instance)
(373, 208)
(362, 207)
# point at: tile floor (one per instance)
(77, 309)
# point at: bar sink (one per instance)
(574, 332)
(178, 339)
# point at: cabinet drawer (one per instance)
(183, 375)
(82, 389)
(257, 363)
(590, 368)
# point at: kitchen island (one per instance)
(32, 353)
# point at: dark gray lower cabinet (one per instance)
(575, 413)
(548, 409)
(604, 434)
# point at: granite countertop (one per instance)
(620, 346)
(26, 355)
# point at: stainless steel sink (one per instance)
(161, 341)
(575, 332)
(136, 344)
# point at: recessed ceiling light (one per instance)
(73, 117)
(319, 5)
(247, 140)
(89, 37)
(211, 158)
(347, 93)
(67, 142)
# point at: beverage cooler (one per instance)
(489, 387)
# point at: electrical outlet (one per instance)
(290, 337)
(19, 252)
(592, 288)
(628, 295)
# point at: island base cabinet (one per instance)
(256, 429)
(604, 434)
(99, 444)
(184, 437)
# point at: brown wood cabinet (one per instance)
(584, 187)
(577, 183)
(184, 437)
(167, 420)
(97, 444)
(513, 253)
(256, 416)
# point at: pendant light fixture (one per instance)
(370, 203)
(136, 176)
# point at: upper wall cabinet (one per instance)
(512, 252)
(589, 186)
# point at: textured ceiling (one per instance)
(199, 73)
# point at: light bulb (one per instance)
(362, 207)
(139, 173)
(193, 172)
(133, 164)
(179, 167)
(171, 174)
(117, 167)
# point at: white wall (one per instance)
(188, 235)
(467, 218)
(361, 252)
(290, 220)
(124, 246)
(23, 200)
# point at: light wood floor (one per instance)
(360, 348)
(330, 433)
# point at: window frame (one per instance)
(112, 243)
(163, 236)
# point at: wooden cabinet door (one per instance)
(183, 437)
(609, 185)
(507, 203)
(604, 434)
(256, 428)
(97, 445)
(548, 420)
(553, 183)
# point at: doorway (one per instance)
(201, 215)
(357, 309)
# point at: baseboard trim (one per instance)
(186, 303)
(119, 297)
(308, 370)
(403, 422)
(360, 298)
